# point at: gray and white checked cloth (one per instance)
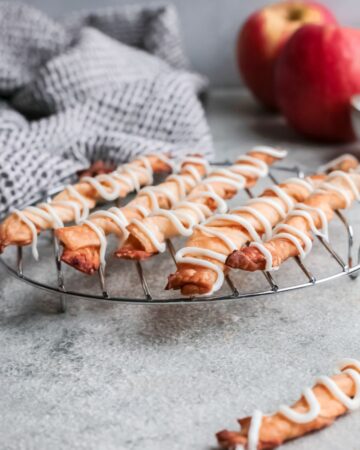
(106, 85)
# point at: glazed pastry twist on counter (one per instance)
(318, 407)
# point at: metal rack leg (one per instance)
(350, 235)
(60, 275)
(101, 273)
(354, 275)
(333, 253)
(271, 281)
(171, 249)
(143, 281)
(272, 178)
(62, 303)
(306, 271)
(231, 285)
(19, 262)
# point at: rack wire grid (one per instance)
(146, 280)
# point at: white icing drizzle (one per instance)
(349, 181)
(289, 201)
(196, 160)
(347, 362)
(180, 181)
(134, 178)
(335, 162)
(187, 167)
(301, 182)
(95, 182)
(227, 173)
(302, 210)
(271, 151)
(289, 233)
(267, 254)
(147, 164)
(235, 175)
(202, 211)
(328, 187)
(181, 258)
(47, 212)
(177, 218)
(253, 434)
(331, 386)
(262, 167)
(247, 169)
(261, 218)
(142, 210)
(133, 173)
(192, 170)
(160, 156)
(33, 230)
(180, 218)
(35, 210)
(271, 201)
(234, 218)
(117, 216)
(56, 221)
(121, 176)
(82, 200)
(160, 246)
(75, 208)
(314, 410)
(220, 235)
(102, 238)
(237, 184)
(221, 204)
(299, 238)
(150, 192)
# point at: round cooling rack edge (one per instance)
(352, 272)
(345, 268)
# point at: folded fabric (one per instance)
(104, 85)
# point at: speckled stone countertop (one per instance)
(111, 376)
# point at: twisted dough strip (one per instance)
(74, 202)
(148, 236)
(85, 244)
(201, 263)
(293, 237)
(316, 409)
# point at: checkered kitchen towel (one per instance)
(105, 85)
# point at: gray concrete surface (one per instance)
(110, 376)
(209, 27)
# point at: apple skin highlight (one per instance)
(262, 38)
(317, 73)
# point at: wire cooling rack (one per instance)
(139, 279)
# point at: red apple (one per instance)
(316, 74)
(264, 34)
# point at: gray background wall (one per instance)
(209, 27)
